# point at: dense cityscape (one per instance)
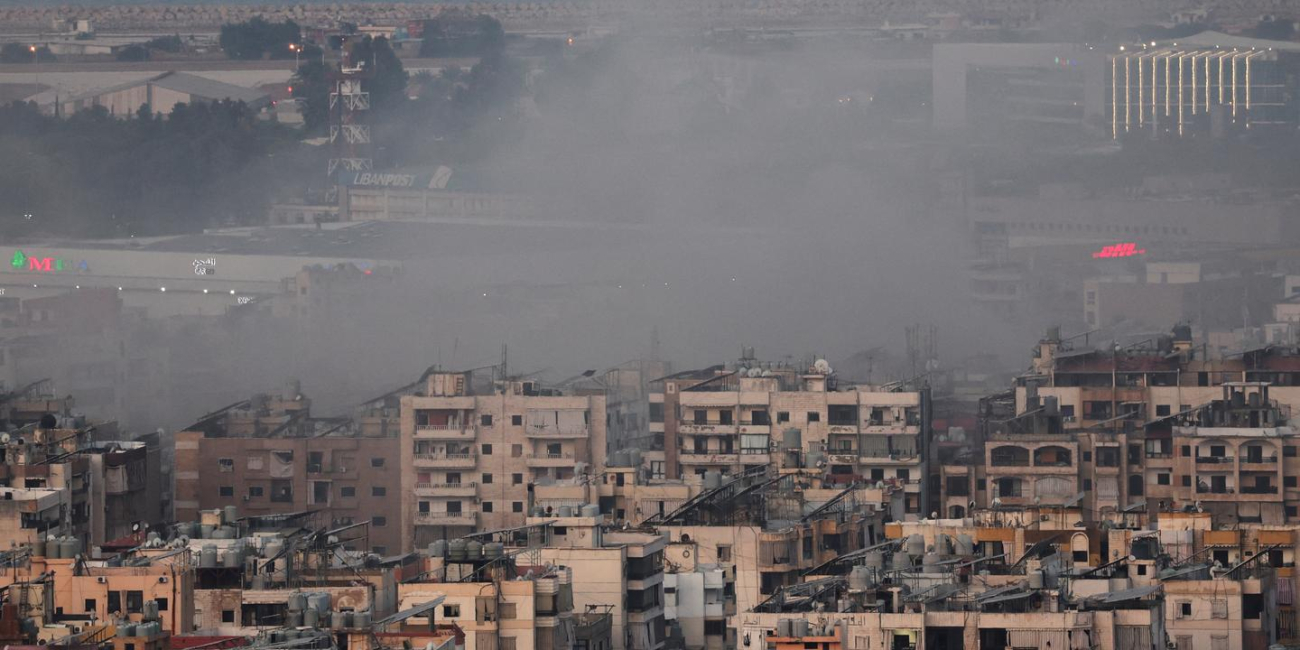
(608, 325)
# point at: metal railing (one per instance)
(440, 486)
(1214, 460)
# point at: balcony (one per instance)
(754, 457)
(557, 433)
(1259, 489)
(549, 460)
(1258, 463)
(843, 457)
(708, 458)
(1214, 460)
(445, 432)
(707, 428)
(469, 519)
(842, 428)
(755, 428)
(446, 461)
(446, 489)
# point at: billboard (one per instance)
(437, 180)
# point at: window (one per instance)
(1288, 481)
(719, 628)
(1087, 456)
(1288, 451)
(507, 642)
(485, 420)
(227, 490)
(379, 522)
(1186, 451)
(1067, 410)
(656, 412)
(981, 484)
(516, 420)
(487, 449)
(507, 611)
(379, 550)
(89, 607)
(315, 460)
(725, 417)
(1079, 556)
(254, 491)
(486, 479)
(516, 451)
(1184, 609)
(255, 463)
(1162, 478)
(162, 604)
(517, 506)
(377, 491)
(134, 602)
(487, 506)
(451, 611)
(376, 462)
(1187, 481)
(424, 507)
(1162, 410)
(348, 492)
(114, 601)
(700, 416)
(1252, 606)
(227, 616)
(516, 479)
(782, 416)
(814, 416)
(1291, 512)
(226, 464)
(1087, 484)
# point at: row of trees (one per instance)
(257, 38)
(92, 174)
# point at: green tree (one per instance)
(256, 39)
(1275, 30)
(133, 53)
(19, 53)
(170, 44)
(461, 34)
(311, 88)
(386, 78)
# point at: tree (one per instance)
(170, 44)
(19, 53)
(460, 34)
(387, 78)
(133, 53)
(256, 38)
(1275, 30)
(311, 87)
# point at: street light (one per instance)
(34, 54)
(296, 49)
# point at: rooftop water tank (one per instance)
(590, 510)
(799, 628)
(1035, 579)
(234, 557)
(930, 562)
(311, 618)
(566, 511)
(783, 627)
(293, 618)
(915, 545)
(297, 602)
(52, 547)
(319, 602)
(338, 621)
(361, 620)
(493, 550)
(229, 515)
(860, 578)
(712, 480)
(874, 559)
(208, 556)
(473, 550)
(634, 457)
(456, 550)
(438, 548)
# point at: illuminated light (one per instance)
(290, 88)
(77, 287)
(119, 288)
(34, 286)
(163, 289)
(484, 295)
(232, 292)
(205, 291)
(1126, 249)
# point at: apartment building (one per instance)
(470, 455)
(269, 455)
(614, 571)
(754, 415)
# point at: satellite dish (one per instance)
(822, 366)
(997, 502)
(1198, 507)
(4, 438)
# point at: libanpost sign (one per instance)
(435, 181)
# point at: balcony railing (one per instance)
(1201, 489)
(556, 432)
(1259, 489)
(1259, 459)
(444, 486)
(1214, 460)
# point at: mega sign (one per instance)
(23, 262)
(1127, 249)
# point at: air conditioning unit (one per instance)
(102, 580)
(162, 579)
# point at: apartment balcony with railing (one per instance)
(707, 427)
(550, 459)
(558, 433)
(446, 519)
(446, 489)
(444, 460)
(464, 432)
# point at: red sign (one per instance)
(1127, 249)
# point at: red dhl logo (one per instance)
(1127, 249)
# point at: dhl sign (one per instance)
(1127, 249)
